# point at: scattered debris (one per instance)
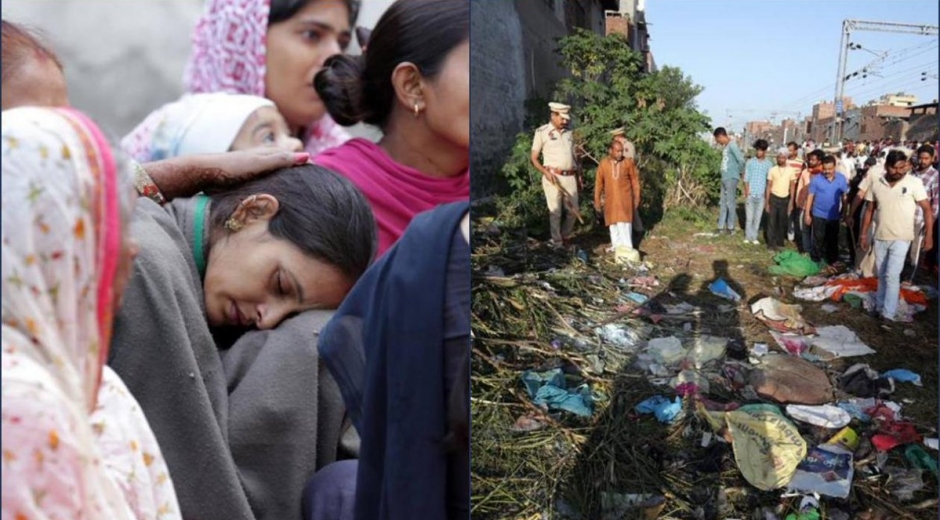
(550, 389)
(791, 263)
(840, 341)
(826, 470)
(780, 317)
(665, 410)
(903, 483)
(903, 375)
(527, 423)
(826, 416)
(789, 379)
(767, 447)
(721, 288)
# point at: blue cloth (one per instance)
(727, 206)
(665, 410)
(732, 162)
(903, 375)
(754, 212)
(550, 389)
(889, 262)
(755, 175)
(827, 195)
(384, 348)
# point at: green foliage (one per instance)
(608, 89)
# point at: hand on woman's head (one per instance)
(297, 46)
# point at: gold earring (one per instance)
(416, 110)
(232, 224)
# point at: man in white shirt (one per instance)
(896, 197)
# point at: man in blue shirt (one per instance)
(755, 184)
(827, 197)
(732, 162)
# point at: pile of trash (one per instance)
(600, 392)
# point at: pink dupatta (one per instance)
(396, 192)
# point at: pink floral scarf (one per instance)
(229, 55)
(75, 442)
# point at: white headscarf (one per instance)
(195, 124)
(75, 443)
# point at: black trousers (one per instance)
(825, 240)
(778, 221)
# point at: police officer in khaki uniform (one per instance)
(559, 170)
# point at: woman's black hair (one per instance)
(282, 10)
(319, 211)
(423, 32)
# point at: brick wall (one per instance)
(497, 88)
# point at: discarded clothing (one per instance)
(861, 381)
(856, 408)
(551, 390)
(903, 375)
(780, 316)
(826, 416)
(840, 341)
(789, 379)
(791, 263)
(794, 344)
(894, 434)
(665, 410)
(814, 294)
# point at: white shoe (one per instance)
(746, 241)
(756, 242)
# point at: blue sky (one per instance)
(759, 56)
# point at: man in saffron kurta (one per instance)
(617, 190)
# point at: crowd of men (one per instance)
(878, 199)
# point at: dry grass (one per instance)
(561, 470)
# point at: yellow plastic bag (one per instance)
(767, 446)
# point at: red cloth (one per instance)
(895, 434)
(871, 285)
(396, 192)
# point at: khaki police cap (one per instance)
(618, 131)
(561, 109)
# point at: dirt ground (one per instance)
(535, 308)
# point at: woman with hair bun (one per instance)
(414, 84)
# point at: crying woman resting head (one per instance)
(243, 262)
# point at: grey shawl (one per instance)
(242, 430)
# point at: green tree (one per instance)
(608, 89)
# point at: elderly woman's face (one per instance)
(38, 82)
(448, 99)
(296, 50)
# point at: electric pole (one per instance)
(844, 46)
